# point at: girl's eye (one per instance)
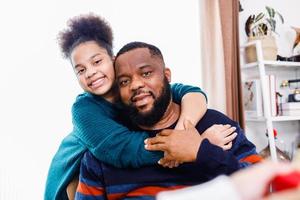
(80, 71)
(98, 61)
(146, 74)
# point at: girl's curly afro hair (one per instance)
(85, 28)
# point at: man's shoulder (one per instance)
(211, 113)
(212, 117)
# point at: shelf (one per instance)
(274, 119)
(262, 68)
(270, 63)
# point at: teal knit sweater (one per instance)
(96, 129)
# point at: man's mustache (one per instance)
(141, 91)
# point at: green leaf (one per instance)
(260, 31)
(264, 28)
(280, 17)
(272, 23)
(259, 17)
(271, 11)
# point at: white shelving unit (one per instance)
(275, 119)
(261, 65)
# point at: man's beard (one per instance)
(153, 116)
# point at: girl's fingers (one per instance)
(156, 147)
(227, 146)
(228, 131)
(155, 140)
(230, 138)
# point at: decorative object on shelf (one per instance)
(291, 59)
(252, 98)
(291, 44)
(297, 149)
(279, 103)
(284, 83)
(271, 86)
(296, 46)
(240, 7)
(262, 27)
(265, 153)
(295, 96)
(291, 109)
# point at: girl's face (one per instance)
(94, 69)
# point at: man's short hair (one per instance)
(154, 51)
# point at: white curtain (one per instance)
(213, 74)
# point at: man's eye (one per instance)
(146, 74)
(123, 82)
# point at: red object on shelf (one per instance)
(275, 133)
(287, 181)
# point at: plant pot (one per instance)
(269, 48)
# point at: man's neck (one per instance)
(170, 117)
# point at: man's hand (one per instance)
(220, 135)
(180, 146)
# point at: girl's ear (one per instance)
(168, 74)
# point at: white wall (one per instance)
(38, 87)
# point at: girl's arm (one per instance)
(193, 97)
(110, 141)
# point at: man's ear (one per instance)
(168, 74)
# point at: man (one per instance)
(144, 89)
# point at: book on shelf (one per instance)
(271, 85)
(291, 109)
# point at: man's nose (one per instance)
(136, 84)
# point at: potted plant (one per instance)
(263, 27)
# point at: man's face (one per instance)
(144, 85)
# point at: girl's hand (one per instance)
(220, 135)
(168, 161)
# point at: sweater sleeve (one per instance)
(64, 166)
(110, 141)
(242, 154)
(179, 90)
